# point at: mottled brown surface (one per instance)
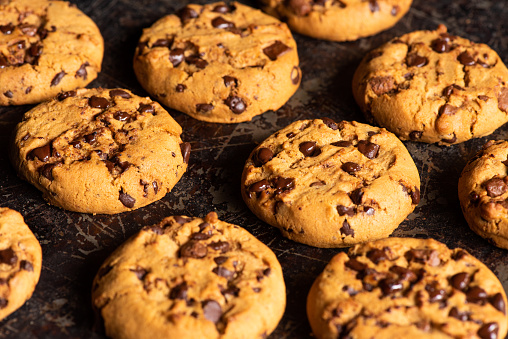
(74, 245)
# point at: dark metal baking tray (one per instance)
(74, 245)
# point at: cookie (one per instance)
(190, 278)
(483, 192)
(100, 150)
(46, 47)
(218, 63)
(338, 20)
(431, 86)
(329, 184)
(20, 261)
(406, 288)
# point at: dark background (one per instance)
(74, 245)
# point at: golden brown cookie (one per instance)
(190, 278)
(338, 20)
(20, 261)
(46, 47)
(100, 150)
(219, 63)
(431, 86)
(407, 288)
(329, 184)
(483, 192)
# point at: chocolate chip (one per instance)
(488, 331)
(235, 104)
(234, 291)
(462, 316)
(162, 43)
(299, 7)
(495, 187)
(483, 97)
(220, 22)
(502, 100)
(28, 89)
(28, 30)
(91, 138)
(355, 265)
(146, 108)
(369, 149)
(430, 257)
(8, 94)
(390, 286)
(121, 116)
(222, 246)
(435, 293)
(187, 13)
(259, 186)
(220, 260)
(283, 184)
(317, 184)
(176, 56)
(466, 59)
(179, 291)
(448, 109)
(441, 45)
(376, 255)
(140, 272)
(127, 200)
(222, 8)
(185, 148)
(460, 280)
(404, 274)
(57, 78)
(262, 156)
(415, 196)
(342, 143)
(295, 75)
(223, 272)
(212, 310)
(27, 266)
(200, 236)
(350, 167)
(450, 141)
(373, 6)
(204, 108)
(64, 95)
(415, 135)
(498, 302)
(309, 149)
(81, 72)
(382, 85)
(415, 60)
(346, 229)
(343, 210)
(193, 249)
(47, 170)
(7, 29)
(180, 88)
(181, 220)
(356, 196)
(3, 62)
(196, 60)
(230, 81)
(8, 257)
(119, 93)
(476, 295)
(98, 102)
(395, 10)
(276, 50)
(3, 303)
(290, 135)
(42, 153)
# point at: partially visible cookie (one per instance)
(483, 192)
(338, 20)
(46, 47)
(100, 150)
(190, 278)
(407, 288)
(431, 86)
(329, 184)
(20, 261)
(218, 63)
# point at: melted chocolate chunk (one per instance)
(180, 88)
(162, 43)
(223, 272)
(342, 143)
(415, 196)
(3, 303)
(435, 293)
(430, 257)
(415, 135)
(146, 108)
(346, 229)
(176, 56)
(8, 94)
(476, 295)
(200, 236)
(259, 186)
(197, 61)
(299, 7)
(502, 100)
(204, 108)
(415, 60)
(373, 6)
(122, 116)
(466, 59)
(127, 200)
(119, 93)
(495, 187)
(221, 8)
(309, 149)
(350, 167)
(91, 138)
(222, 246)
(262, 156)
(448, 110)
(8, 257)
(28, 266)
(220, 260)
(212, 310)
(488, 331)
(382, 85)
(404, 274)
(390, 286)
(356, 196)
(355, 265)
(236, 104)
(283, 184)
(193, 249)
(42, 153)
(441, 45)
(28, 30)
(7, 29)
(98, 102)
(47, 170)
(185, 148)
(234, 290)
(295, 75)
(179, 291)
(369, 149)
(395, 10)
(220, 22)
(182, 220)
(460, 280)
(64, 95)
(343, 210)
(462, 316)
(230, 81)
(57, 78)
(81, 72)
(187, 13)
(498, 302)
(276, 50)
(376, 255)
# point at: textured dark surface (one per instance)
(74, 245)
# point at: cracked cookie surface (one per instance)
(483, 192)
(100, 150)
(338, 20)
(406, 288)
(46, 47)
(431, 86)
(20, 261)
(190, 278)
(331, 184)
(218, 63)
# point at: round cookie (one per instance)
(431, 86)
(406, 288)
(100, 150)
(190, 278)
(338, 20)
(46, 47)
(219, 63)
(20, 261)
(483, 192)
(329, 184)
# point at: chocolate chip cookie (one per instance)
(46, 47)
(190, 278)
(407, 288)
(338, 20)
(431, 86)
(20, 261)
(218, 63)
(100, 150)
(483, 192)
(330, 184)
